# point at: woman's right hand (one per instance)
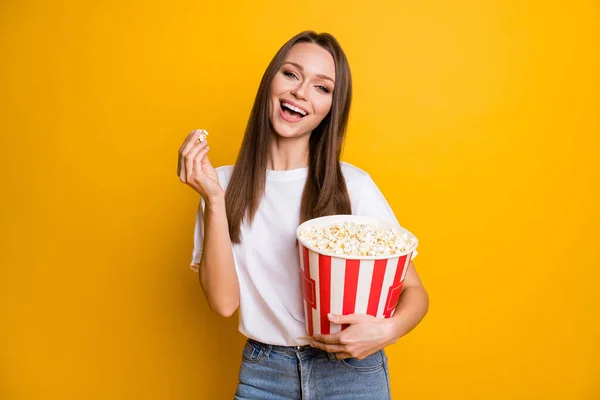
(195, 170)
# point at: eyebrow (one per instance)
(302, 69)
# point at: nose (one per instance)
(300, 90)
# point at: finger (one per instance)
(206, 161)
(180, 166)
(201, 159)
(345, 319)
(330, 348)
(196, 167)
(195, 138)
(189, 140)
(185, 141)
(200, 163)
(183, 150)
(193, 134)
(191, 155)
(207, 167)
(328, 339)
(342, 355)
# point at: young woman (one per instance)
(288, 171)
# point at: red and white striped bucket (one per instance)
(339, 284)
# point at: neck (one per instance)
(288, 153)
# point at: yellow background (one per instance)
(478, 119)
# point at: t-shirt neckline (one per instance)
(287, 174)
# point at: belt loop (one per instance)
(267, 350)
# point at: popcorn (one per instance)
(351, 264)
(352, 239)
(202, 136)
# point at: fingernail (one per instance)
(331, 316)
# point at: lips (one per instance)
(289, 116)
(298, 108)
(291, 112)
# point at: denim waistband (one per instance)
(290, 350)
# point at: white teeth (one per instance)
(291, 107)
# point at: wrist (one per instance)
(393, 328)
(215, 203)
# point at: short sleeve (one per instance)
(372, 203)
(198, 236)
(199, 225)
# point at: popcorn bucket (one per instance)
(340, 284)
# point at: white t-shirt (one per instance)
(267, 261)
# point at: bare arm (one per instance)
(412, 306)
(367, 334)
(216, 273)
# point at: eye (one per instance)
(323, 89)
(290, 74)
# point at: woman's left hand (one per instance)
(365, 335)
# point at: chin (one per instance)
(290, 134)
(286, 131)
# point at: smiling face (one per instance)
(302, 90)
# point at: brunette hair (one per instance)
(325, 191)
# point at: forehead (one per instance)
(313, 58)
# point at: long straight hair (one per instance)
(325, 191)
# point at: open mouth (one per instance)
(292, 112)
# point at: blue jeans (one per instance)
(302, 372)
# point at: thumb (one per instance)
(207, 164)
(205, 160)
(343, 319)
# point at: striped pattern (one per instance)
(339, 286)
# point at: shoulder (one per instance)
(358, 183)
(366, 197)
(354, 175)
